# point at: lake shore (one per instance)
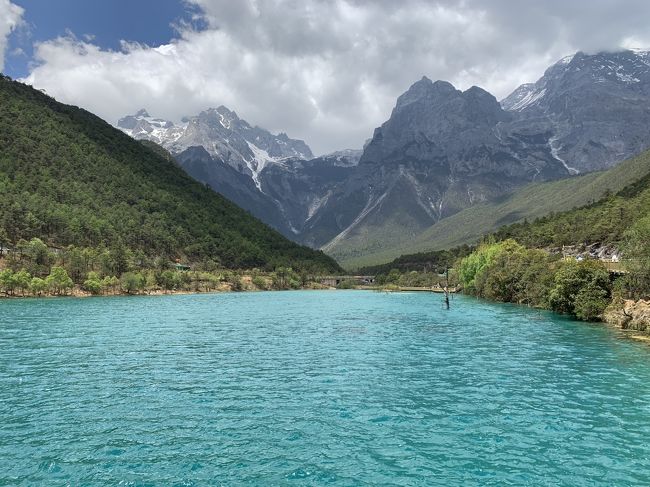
(80, 293)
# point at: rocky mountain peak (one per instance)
(219, 131)
(426, 90)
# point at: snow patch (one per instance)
(555, 149)
(531, 98)
(261, 158)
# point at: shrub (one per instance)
(571, 278)
(590, 303)
(132, 282)
(260, 283)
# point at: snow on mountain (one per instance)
(617, 68)
(591, 108)
(225, 136)
(345, 157)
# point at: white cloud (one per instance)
(10, 18)
(329, 72)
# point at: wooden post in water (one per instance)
(447, 288)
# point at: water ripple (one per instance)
(315, 388)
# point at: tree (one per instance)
(22, 279)
(132, 282)
(37, 286)
(93, 284)
(58, 281)
(39, 255)
(590, 303)
(4, 241)
(110, 282)
(7, 281)
(169, 280)
(637, 258)
(571, 278)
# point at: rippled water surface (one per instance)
(312, 388)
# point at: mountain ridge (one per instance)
(441, 150)
(70, 178)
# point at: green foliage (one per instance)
(132, 282)
(170, 280)
(636, 248)
(37, 286)
(346, 284)
(236, 283)
(435, 261)
(93, 284)
(509, 272)
(110, 283)
(590, 302)
(578, 286)
(474, 265)
(259, 282)
(58, 282)
(285, 278)
(22, 280)
(70, 179)
(7, 281)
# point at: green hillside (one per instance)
(531, 202)
(69, 178)
(606, 221)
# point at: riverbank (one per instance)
(80, 293)
(630, 315)
(152, 283)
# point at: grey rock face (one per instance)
(440, 151)
(596, 108)
(444, 150)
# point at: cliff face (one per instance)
(630, 315)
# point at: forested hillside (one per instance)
(605, 221)
(69, 178)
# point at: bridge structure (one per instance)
(334, 281)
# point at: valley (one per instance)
(446, 167)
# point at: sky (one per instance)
(325, 71)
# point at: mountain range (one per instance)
(441, 150)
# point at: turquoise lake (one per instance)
(313, 388)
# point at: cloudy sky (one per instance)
(324, 71)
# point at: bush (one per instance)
(93, 286)
(590, 303)
(132, 282)
(346, 284)
(170, 280)
(573, 277)
(7, 281)
(260, 283)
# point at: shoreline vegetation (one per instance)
(32, 269)
(508, 272)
